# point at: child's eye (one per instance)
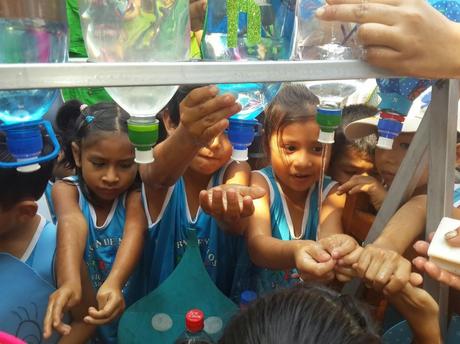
(97, 164)
(404, 146)
(127, 165)
(317, 149)
(289, 148)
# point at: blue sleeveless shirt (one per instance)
(27, 284)
(167, 240)
(101, 248)
(283, 229)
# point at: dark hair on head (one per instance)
(173, 108)
(18, 186)
(75, 123)
(307, 314)
(365, 145)
(293, 103)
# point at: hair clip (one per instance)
(89, 119)
(83, 107)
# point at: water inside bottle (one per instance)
(30, 41)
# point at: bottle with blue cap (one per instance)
(30, 34)
(248, 30)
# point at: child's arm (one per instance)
(232, 203)
(81, 332)
(110, 300)
(367, 184)
(265, 251)
(330, 221)
(203, 116)
(72, 231)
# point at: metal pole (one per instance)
(442, 140)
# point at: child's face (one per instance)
(107, 164)
(350, 162)
(295, 155)
(387, 162)
(213, 156)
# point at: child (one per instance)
(352, 157)
(201, 178)
(99, 213)
(286, 221)
(27, 248)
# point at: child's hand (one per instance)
(229, 203)
(313, 262)
(64, 298)
(367, 184)
(197, 14)
(383, 269)
(203, 114)
(111, 304)
(423, 265)
(346, 251)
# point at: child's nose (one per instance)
(302, 159)
(214, 143)
(111, 176)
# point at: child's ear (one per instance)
(25, 210)
(76, 152)
(168, 123)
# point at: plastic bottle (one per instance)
(397, 96)
(248, 30)
(132, 31)
(194, 332)
(319, 40)
(30, 34)
(247, 297)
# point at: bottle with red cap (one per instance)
(194, 333)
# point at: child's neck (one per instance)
(17, 240)
(296, 198)
(194, 183)
(102, 212)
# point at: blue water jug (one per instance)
(248, 30)
(32, 31)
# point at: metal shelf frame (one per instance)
(434, 144)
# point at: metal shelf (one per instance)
(63, 75)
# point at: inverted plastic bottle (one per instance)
(397, 96)
(248, 30)
(194, 329)
(138, 31)
(30, 34)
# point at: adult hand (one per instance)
(408, 37)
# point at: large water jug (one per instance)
(138, 31)
(320, 40)
(248, 30)
(31, 31)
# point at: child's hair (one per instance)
(76, 121)
(17, 186)
(173, 108)
(304, 314)
(293, 103)
(365, 145)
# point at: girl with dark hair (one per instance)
(284, 228)
(96, 209)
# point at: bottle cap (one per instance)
(143, 156)
(240, 154)
(28, 168)
(194, 320)
(326, 137)
(247, 297)
(385, 143)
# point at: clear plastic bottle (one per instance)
(194, 332)
(321, 40)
